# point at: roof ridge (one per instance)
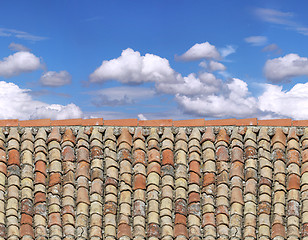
(134, 122)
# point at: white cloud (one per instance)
(216, 66)
(121, 95)
(142, 117)
(133, 68)
(256, 40)
(201, 94)
(285, 68)
(18, 103)
(18, 47)
(57, 111)
(18, 63)
(234, 101)
(200, 51)
(278, 103)
(205, 83)
(226, 51)
(274, 16)
(55, 79)
(7, 32)
(281, 18)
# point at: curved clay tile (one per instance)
(167, 134)
(54, 135)
(138, 134)
(279, 137)
(292, 134)
(69, 136)
(154, 182)
(222, 136)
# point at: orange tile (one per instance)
(9, 122)
(124, 230)
(275, 122)
(133, 122)
(221, 122)
(67, 122)
(35, 123)
(189, 123)
(156, 123)
(92, 122)
(247, 121)
(299, 123)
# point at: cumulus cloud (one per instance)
(279, 103)
(285, 68)
(16, 102)
(121, 95)
(200, 51)
(18, 63)
(55, 79)
(212, 66)
(18, 47)
(133, 68)
(235, 100)
(256, 40)
(216, 66)
(57, 111)
(205, 83)
(200, 94)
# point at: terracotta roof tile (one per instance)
(221, 122)
(67, 122)
(9, 122)
(121, 122)
(92, 122)
(38, 123)
(247, 122)
(275, 122)
(192, 123)
(155, 123)
(154, 182)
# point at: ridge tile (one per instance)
(132, 122)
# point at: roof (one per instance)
(153, 123)
(125, 182)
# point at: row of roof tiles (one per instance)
(242, 185)
(153, 123)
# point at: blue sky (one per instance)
(153, 59)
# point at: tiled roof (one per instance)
(134, 122)
(122, 182)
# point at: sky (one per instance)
(144, 59)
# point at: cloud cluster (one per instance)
(117, 96)
(286, 67)
(204, 94)
(278, 103)
(16, 102)
(200, 94)
(132, 68)
(55, 79)
(19, 62)
(234, 100)
(200, 51)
